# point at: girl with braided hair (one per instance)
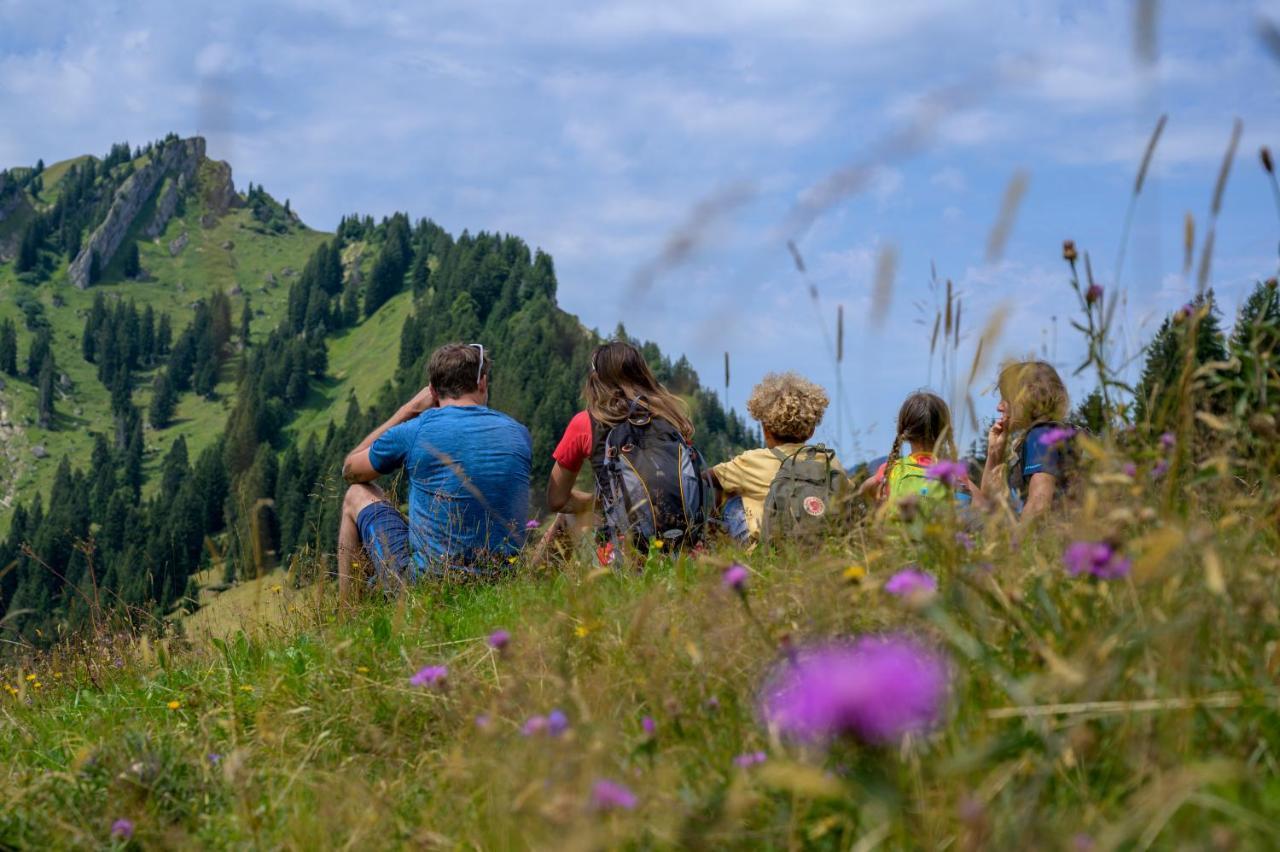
(924, 423)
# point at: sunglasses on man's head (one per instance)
(480, 369)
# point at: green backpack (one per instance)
(802, 495)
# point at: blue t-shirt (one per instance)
(1037, 457)
(468, 469)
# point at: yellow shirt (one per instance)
(749, 476)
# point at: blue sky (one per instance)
(605, 132)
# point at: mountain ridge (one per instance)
(190, 403)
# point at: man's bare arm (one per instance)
(357, 467)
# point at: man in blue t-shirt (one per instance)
(467, 468)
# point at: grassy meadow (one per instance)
(1081, 713)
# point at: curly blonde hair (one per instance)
(788, 405)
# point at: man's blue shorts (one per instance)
(385, 535)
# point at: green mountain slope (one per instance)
(132, 456)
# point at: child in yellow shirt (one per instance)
(789, 409)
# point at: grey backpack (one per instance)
(802, 495)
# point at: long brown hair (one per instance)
(924, 420)
(619, 376)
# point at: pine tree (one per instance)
(164, 336)
(1157, 394)
(1255, 345)
(95, 268)
(163, 400)
(8, 347)
(41, 346)
(132, 261)
(246, 320)
(29, 247)
(44, 395)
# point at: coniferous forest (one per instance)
(112, 538)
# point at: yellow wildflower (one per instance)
(38, 685)
(581, 631)
(658, 543)
(174, 705)
(362, 669)
(854, 573)
(244, 687)
(30, 678)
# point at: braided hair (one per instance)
(924, 420)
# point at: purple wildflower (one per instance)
(532, 524)
(609, 795)
(876, 688)
(499, 639)
(910, 582)
(947, 471)
(648, 725)
(735, 577)
(534, 725)
(1095, 558)
(1168, 441)
(964, 539)
(1082, 842)
(430, 676)
(122, 829)
(713, 704)
(749, 759)
(1057, 435)
(557, 723)
(1130, 469)
(214, 758)
(1159, 469)
(483, 721)
(1093, 294)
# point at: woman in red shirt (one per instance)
(619, 377)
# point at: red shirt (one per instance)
(575, 446)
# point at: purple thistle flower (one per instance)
(877, 688)
(910, 582)
(483, 721)
(609, 795)
(1093, 294)
(1168, 441)
(713, 704)
(648, 725)
(1130, 469)
(947, 471)
(557, 723)
(122, 829)
(1159, 469)
(532, 524)
(964, 540)
(499, 639)
(735, 577)
(430, 676)
(749, 759)
(1095, 558)
(1057, 435)
(534, 725)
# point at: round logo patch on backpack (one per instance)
(814, 506)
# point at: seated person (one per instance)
(468, 471)
(1030, 457)
(924, 425)
(618, 380)
(788, 408)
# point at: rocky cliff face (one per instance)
(180, 162)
